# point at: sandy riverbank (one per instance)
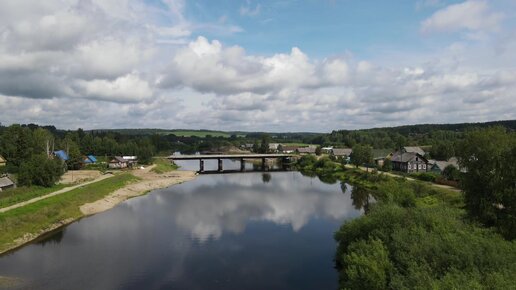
(150, 181)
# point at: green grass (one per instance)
(24, 193)
(163, 165)
(102, 167)
(40, 215)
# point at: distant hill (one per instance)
(426, 128)
(393, 137)
(177, 132)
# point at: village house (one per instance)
(61, 154)
(89, 159)
(439, 166)
(327, 150)
(343, 153)
(131, 160)
(247, 146)
(3, 162)
(409, 162)
(290, 149)
(118, 163)
(273, 147)
(306, 150)
(413, 149)
(6, 183)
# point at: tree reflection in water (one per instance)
(360, 196)
(328, 179)
(343, 187)
(266, 177)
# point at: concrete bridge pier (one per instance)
(201, 165)
(263, 164)
(220, 165)
(242, 164)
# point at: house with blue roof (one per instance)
(61, 154)
(90, 159)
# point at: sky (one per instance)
(277, 66)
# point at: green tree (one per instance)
(367, 265)
(40, 170)
(264, 145)
(442, 151)
(387, 165)
(362, 154)
(489, 183)
(318, 151)
(451, 172)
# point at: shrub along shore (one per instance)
(414, 236)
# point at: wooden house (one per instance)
(289, 148)
(89, 159)
(6, 183)
(409, 162)
(439, 166)
(3, 162)
(118, 162)
(306, 150)
(341, 152)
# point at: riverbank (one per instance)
(150, 180)
(414, 235)
(24, 224)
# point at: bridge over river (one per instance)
(220, 157)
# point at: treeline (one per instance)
(29, 150)
(415, 237)
(442, 137)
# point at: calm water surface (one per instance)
(231, 231)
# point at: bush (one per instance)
(306, 161)
(367, 265)
(40, 170)
(425, 248)
(424, 176)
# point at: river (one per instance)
(228, 231)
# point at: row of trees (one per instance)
(28, 150)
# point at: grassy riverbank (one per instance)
(25, 223)
(24, 193)
(415, 236)
(163, 165)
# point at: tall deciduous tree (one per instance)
(362, 154)
(264, 146)
(490, 181)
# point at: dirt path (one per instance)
(36, 199)
(408, 178)
(150, 181)
(79, 176)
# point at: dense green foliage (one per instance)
(40, 170)
(415, 237)
(489, 184)
(362, 154)
(396, 247)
